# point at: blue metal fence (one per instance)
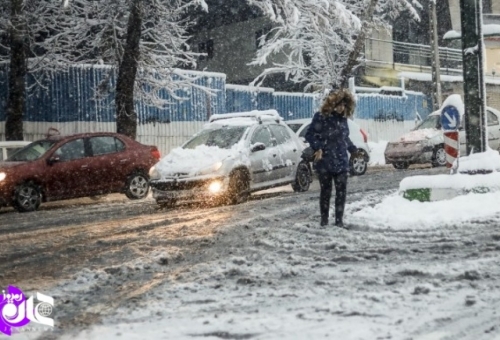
(246, 98)
(386, 107)
(71, 96)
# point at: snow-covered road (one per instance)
(261, 270)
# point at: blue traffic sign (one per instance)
(450, 118)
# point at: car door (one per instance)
(493, 130)
(68, 171)
(493, 133)
(263, 162)
(288, 152)
(107, 164)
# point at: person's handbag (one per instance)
(308, 154)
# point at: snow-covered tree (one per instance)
(143, 40)
(322, 40)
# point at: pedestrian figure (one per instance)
(328, 136)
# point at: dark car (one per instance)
(80, 165)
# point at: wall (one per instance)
(234, 48)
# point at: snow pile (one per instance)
(487, 161)
(457, 182)
(377, 153)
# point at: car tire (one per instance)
(439, 156)
(401, 165)
(239, 186)
(303, 178)
(358, 164)
(27, 197)
(137, 186)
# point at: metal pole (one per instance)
(472, 52)
(436, 66)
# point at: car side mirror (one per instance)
(52, 160)
(258, 147)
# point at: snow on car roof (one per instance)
(255, 115)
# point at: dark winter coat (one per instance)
(331, 134)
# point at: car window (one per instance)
(71, 150)
(224, 137)
(262, 135)
(304, 131)
(32, 151)
(103, 145)
(294, 126)
(431, 122)
(280, 133)
(492, 118)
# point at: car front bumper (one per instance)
(408, 153)
(189, 189)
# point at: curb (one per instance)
(439, 194)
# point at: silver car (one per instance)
(232, 156)
(425, 143)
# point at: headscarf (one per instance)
(335, 97)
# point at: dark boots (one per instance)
(324, 207)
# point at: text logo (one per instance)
(16, 311)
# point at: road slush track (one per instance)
(130, 250)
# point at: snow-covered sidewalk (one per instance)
(406, 270)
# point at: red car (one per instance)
(63, 167)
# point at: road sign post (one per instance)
(450, 122)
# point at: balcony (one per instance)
(400, 56)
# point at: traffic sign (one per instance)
(450, 118)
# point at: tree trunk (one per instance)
(17, 73)
(352, 61)
(126, 117)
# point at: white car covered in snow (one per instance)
(425, 143)
(233, 155)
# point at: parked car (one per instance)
(232, 156)
(358, 136)
(7, 148)
(63, 167)
(425, 143)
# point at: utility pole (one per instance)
(436, 66)
(474, 89)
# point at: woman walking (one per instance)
(328, 136)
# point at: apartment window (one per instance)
(206, 47)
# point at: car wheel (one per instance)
(27, 197)
(358, 164)
(439, 156)
(239, 185)
(401, 165)
(303, 178)
(137, 186)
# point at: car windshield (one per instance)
(223, 138)
(295, 126)
(32, 151)
(431, 122)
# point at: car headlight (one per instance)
(211, 169)
(153, 173)
(2, 176)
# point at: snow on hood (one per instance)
(191, 161)
(419, 135)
